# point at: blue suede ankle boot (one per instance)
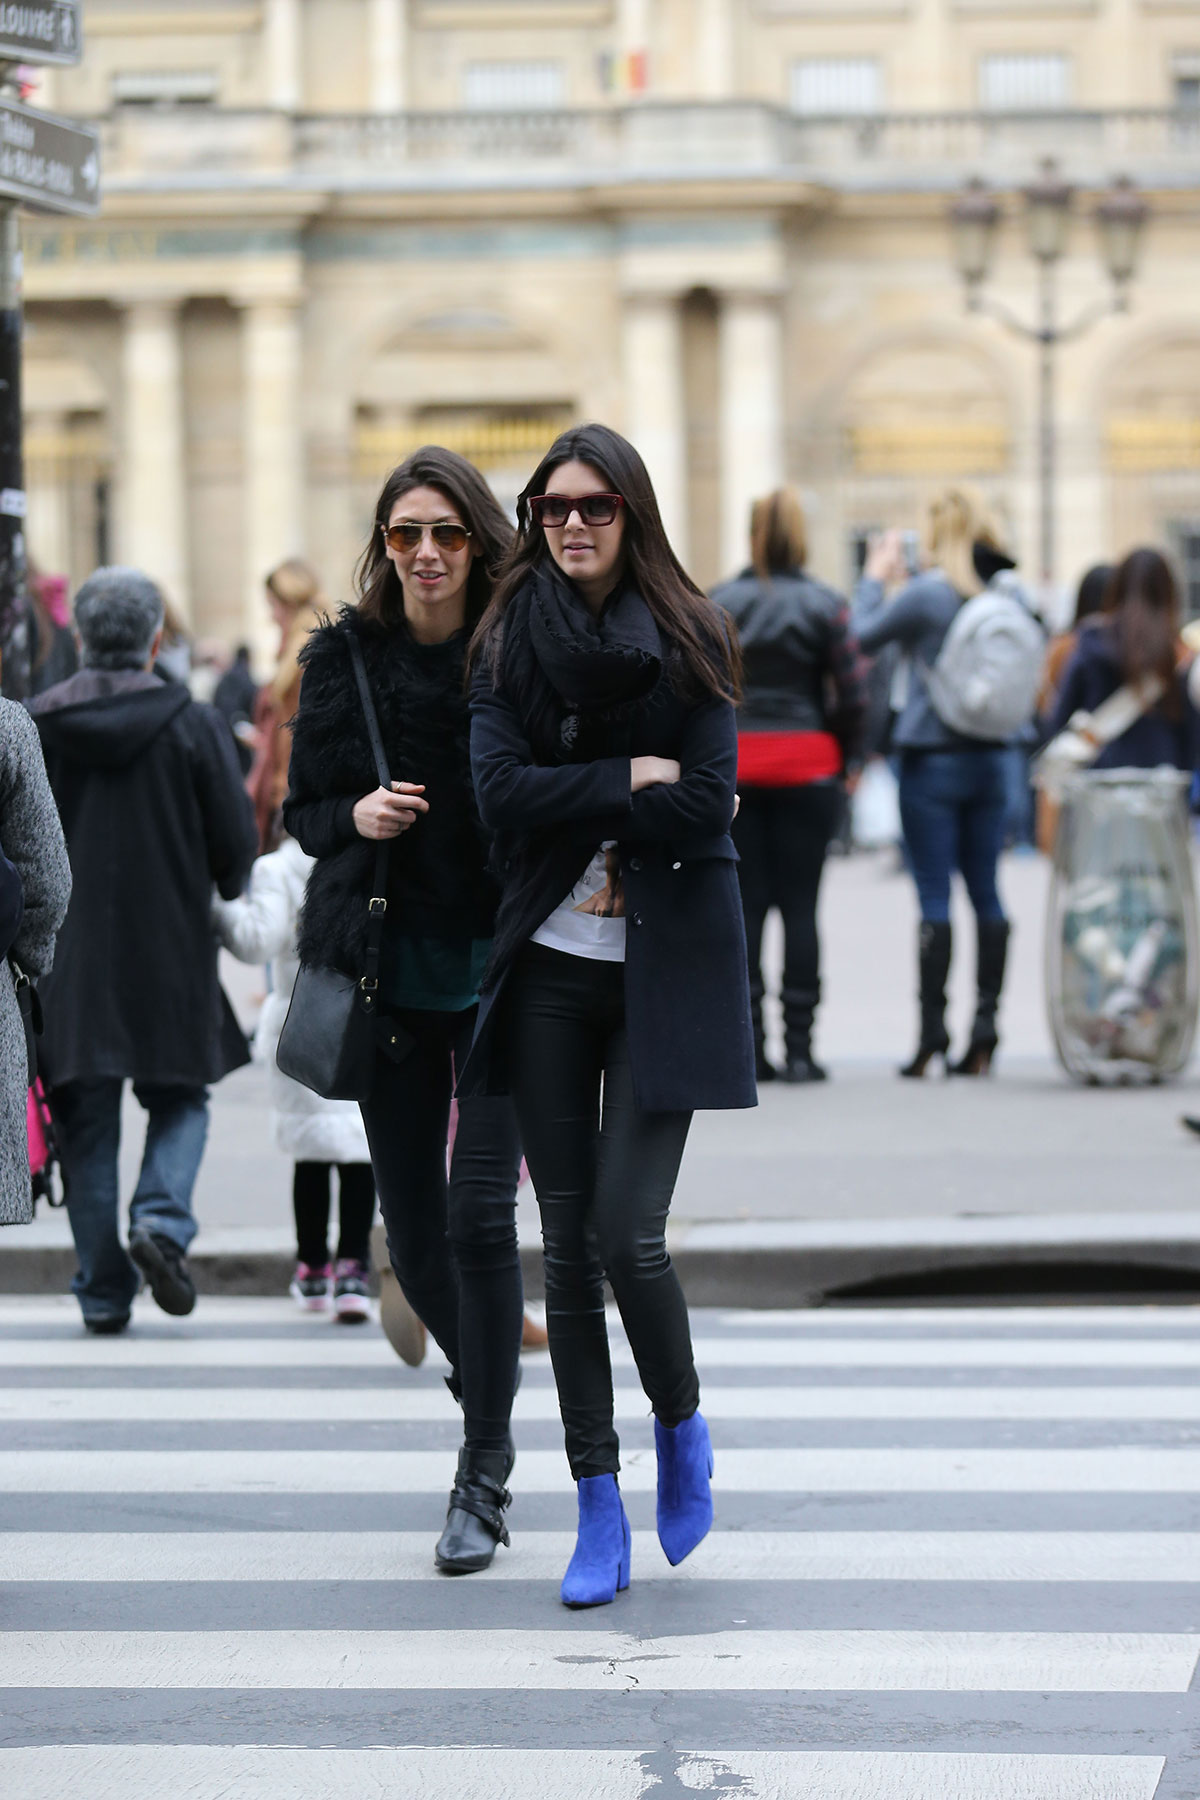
(685, 1466)
(599, 1569)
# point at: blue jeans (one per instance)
(952, 805)
(89, 1118)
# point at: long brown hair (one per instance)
(682, 611)
(778, 534)
(380, 595)
(1143, 610)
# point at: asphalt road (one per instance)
(955, 1554)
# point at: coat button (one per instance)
(677, 865)
(636, 919)
(635, 863)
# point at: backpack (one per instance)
(985, 680)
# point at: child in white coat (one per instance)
(261, 927)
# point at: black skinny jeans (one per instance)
(782, 836)
(452, 1242)
(605, 1174)
(356, 1209)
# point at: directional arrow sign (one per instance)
(47, 162)
(48, 33)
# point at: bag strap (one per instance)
(368, 986)
(1122, 709)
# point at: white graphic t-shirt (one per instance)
(584, 934)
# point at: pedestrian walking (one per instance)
(35, 885)
(423, 583)
(319, 1135)
(952, 780)
(235, 696)
(154, 811)
(1089, 606)
(616, 1000)
(297, 606)
(1134, 640)
(800, 733)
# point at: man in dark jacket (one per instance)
(154, 811)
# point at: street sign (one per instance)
(49, 163)
(49, 33)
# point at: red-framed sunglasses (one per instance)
(554, 510)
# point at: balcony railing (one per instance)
(195, 147)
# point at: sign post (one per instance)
(54, 165)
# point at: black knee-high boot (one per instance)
(799, 1010)
(933, 962)
(990, 960)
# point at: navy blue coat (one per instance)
(1092, 675)
(687, 994)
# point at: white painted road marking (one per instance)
(294, 1556)
(607, 1662)
(1129, 1469)
(404, 1405)
(326, 1351)
(252, 1772)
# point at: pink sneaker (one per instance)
(311, 1288)
(351, 1295)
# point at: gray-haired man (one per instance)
(152, 803)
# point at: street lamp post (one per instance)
(975, 216)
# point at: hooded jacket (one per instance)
(152, 803)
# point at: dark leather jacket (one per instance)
(802, 670)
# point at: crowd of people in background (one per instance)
(533, 795)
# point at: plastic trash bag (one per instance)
(1121, 943)
(875, 808)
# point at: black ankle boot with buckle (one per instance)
(474, 1521)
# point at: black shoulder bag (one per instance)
(328, 1038)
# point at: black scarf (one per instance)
(587, 672)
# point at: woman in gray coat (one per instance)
(32, 839)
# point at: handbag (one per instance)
(328, 1039)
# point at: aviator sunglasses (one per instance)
(406, 536)
(554, 510)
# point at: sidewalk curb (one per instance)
(768, 1266)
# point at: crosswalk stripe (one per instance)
(371, 1350)
(114, 1772)
(429, 1405)
(1130, 1469)
(295, 1556)
(607, 1662)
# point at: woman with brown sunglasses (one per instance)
(616, 1001)
(423, 583)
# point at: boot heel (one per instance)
(623, 1566)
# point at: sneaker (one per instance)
(165, 1268)
(351, 1295)
(310, 1287)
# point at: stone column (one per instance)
(281, 54)
(750, 352)
(153, 495)
(47, 486)
(715, 49)
(387, 55)
(655, 407)
(273, 465)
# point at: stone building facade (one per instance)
(333, 229)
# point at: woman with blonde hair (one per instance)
(952, 788)
(800, 730)
(297, 605)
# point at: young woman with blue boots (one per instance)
(616, 1001)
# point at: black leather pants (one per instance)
(452, 1243)
(604, 1174)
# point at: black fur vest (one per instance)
(332, 767)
